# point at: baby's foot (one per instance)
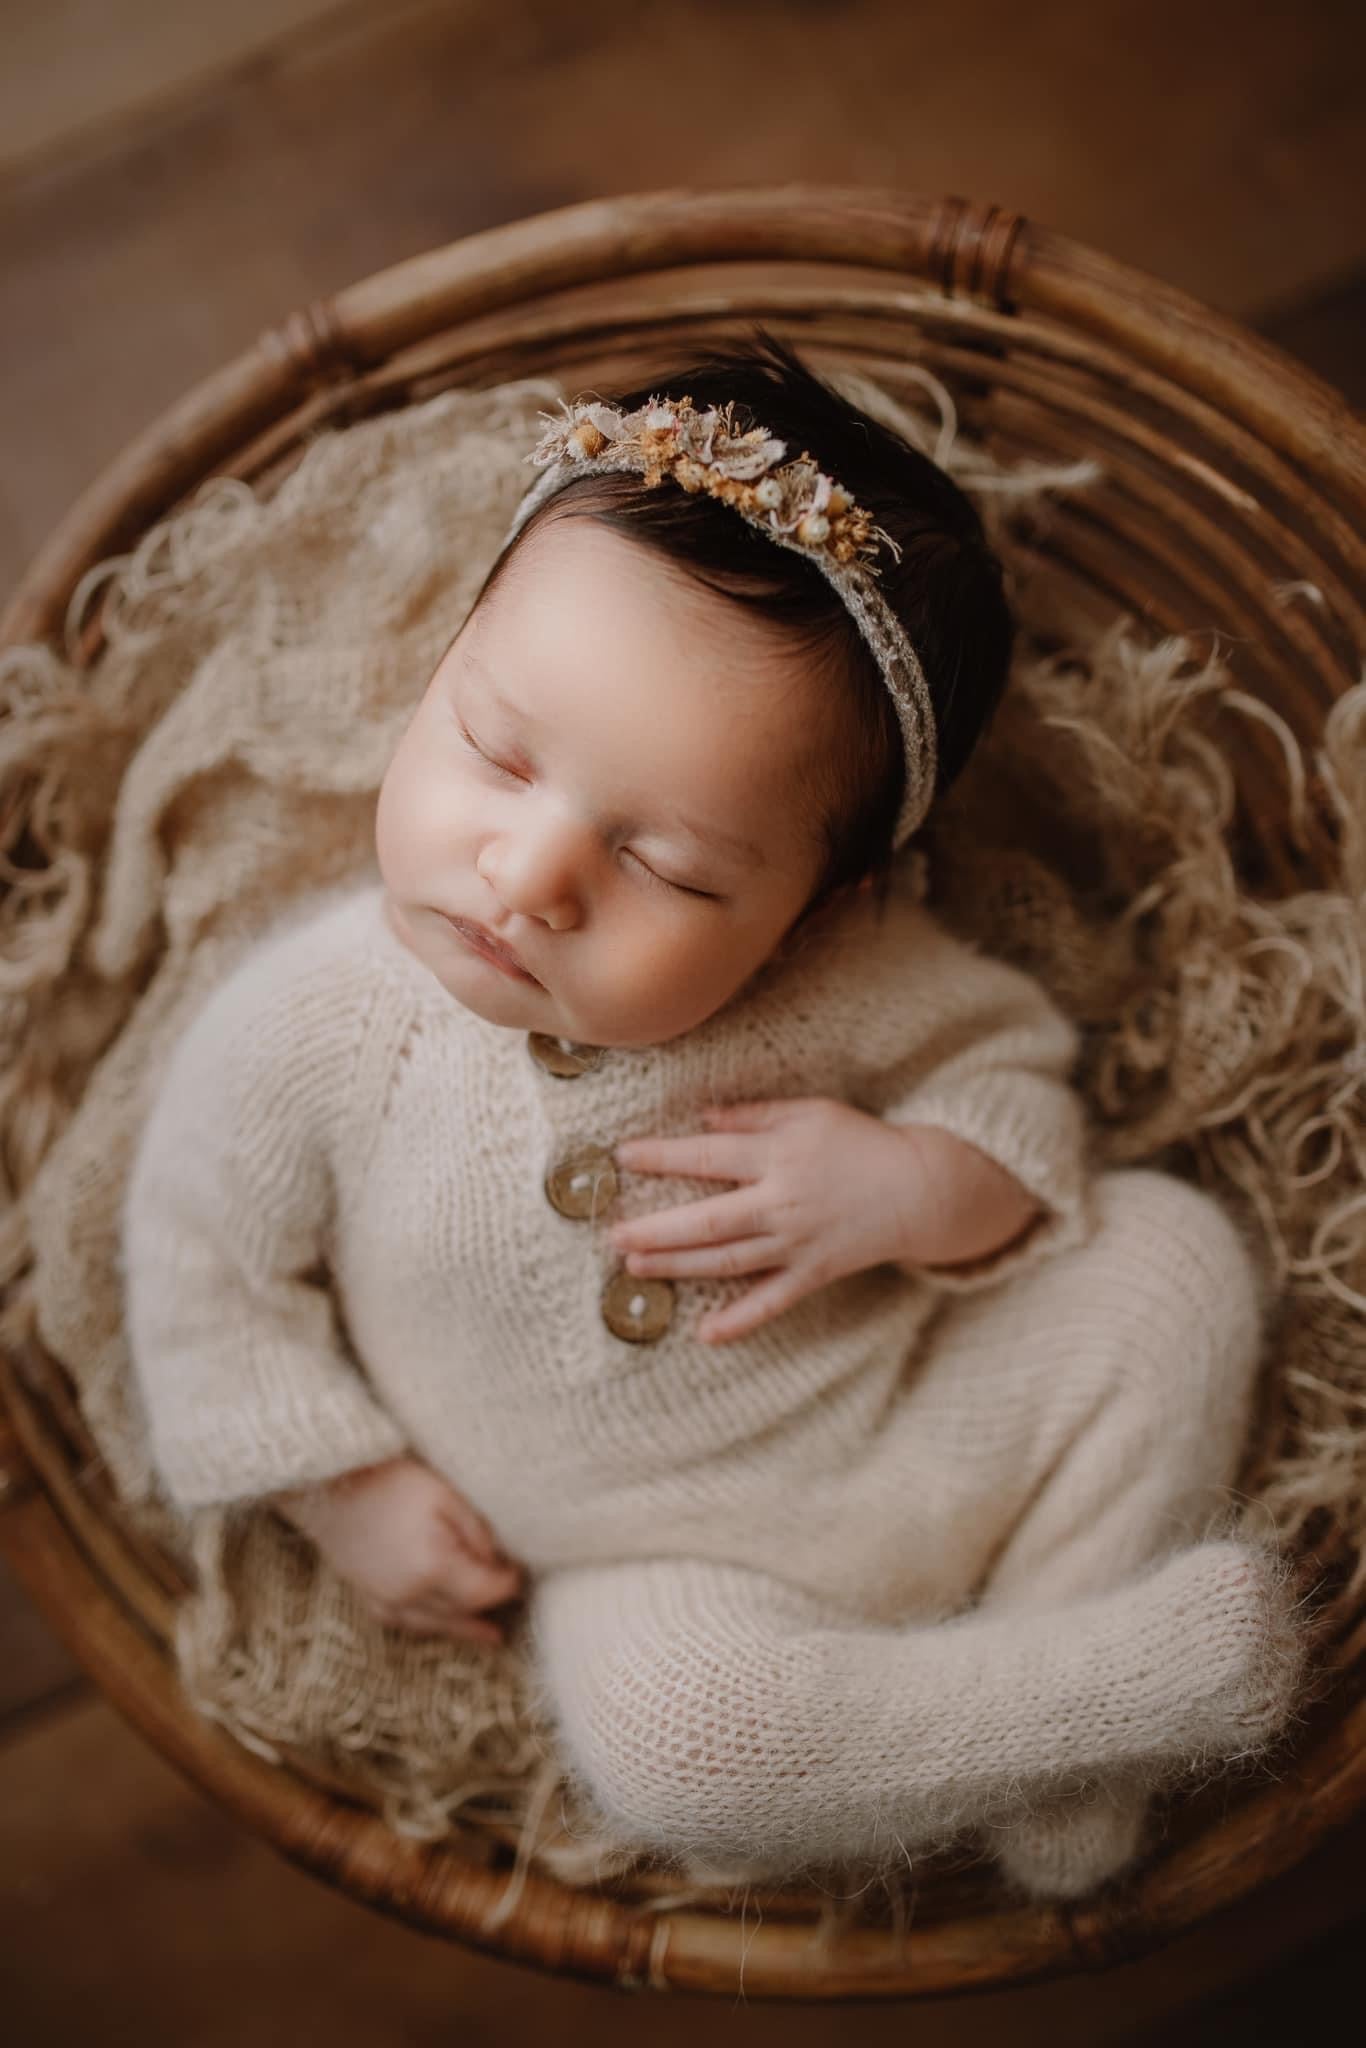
(1235, 1608)
(1217, 1649)
(1069, 1847)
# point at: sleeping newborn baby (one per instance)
(627, 1212)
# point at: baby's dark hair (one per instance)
(946, 589)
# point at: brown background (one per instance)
(176, 175)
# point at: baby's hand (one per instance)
(420, 1556)
(824, 1189)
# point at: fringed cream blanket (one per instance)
(223, 755)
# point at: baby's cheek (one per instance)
(667, 981)
(412, 821)
(389, 846)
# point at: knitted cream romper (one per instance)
(364, 1220)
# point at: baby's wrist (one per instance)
(301, 1506)
(967, 1206)
(307, 1506)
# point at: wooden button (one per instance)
(561, 1056)
(638, 1310)
(584, 1184)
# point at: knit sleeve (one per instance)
(988, 1058)
(245, 1378)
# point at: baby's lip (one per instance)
(486, 938)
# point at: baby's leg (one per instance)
(720, 1717)
(1162, 1307)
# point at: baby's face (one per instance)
(602, 775)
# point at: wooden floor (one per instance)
(1218, 145)
(177, 176)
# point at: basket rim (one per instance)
(961, 249)
(964, 248)
(572, 1930)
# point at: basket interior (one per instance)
(1200, 522)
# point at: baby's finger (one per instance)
(477, 1586)
(476, 1532)
(757, 1306)
(754, 1116)
(447, 1618)
(471, 1628)
(718, 1155)
(717, 1262)
(711, 1220)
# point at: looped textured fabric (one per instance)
(183, 796)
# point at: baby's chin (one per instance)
(483, 989)
(486, 991)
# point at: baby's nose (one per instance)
(537, 869)
(537, 878)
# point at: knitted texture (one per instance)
(331, 1103)
(721, 1722)
(1082, 1838)
(1077, 1411)
(263, 650)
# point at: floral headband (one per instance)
(794, 503)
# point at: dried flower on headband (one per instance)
(702, 451)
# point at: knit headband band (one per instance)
(794, 503)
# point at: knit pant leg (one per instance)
(1174, 1302)
(1166, 1302)
(717, 1716)
(1055, 1432)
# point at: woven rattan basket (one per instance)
(1228, 470)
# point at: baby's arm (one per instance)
(821, 1188)
(964, 1206)
(257, 1125)
(232, 1329)
(995, 1130)
(248, 1390)
(954, 1148)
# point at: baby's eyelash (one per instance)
(664, 882)
(475, 748)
